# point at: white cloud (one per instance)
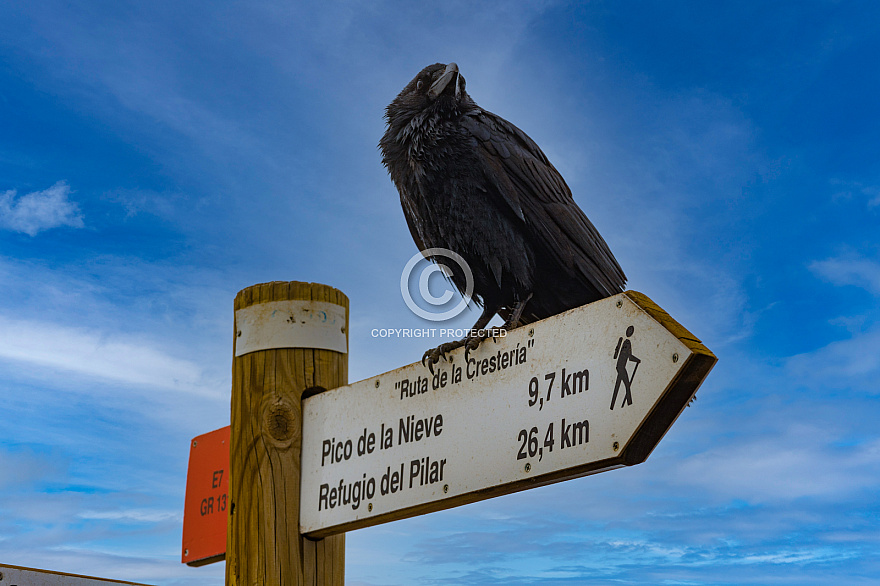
(853, 363)
(39, 210)
(860, 272)
(784, 468)
(133, 515)
(119, 358)
(850, 189)
(23, 467)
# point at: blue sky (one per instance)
(155, 158)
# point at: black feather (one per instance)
(474, 183)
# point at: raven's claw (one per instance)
(472, 343)
(433, 356)
(510, 325)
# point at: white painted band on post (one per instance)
(290, 324)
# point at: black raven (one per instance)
(475, 184)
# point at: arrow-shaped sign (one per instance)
(582, 392)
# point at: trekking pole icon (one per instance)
(623, 354)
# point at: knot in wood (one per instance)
(280, 421)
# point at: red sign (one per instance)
(206, 508)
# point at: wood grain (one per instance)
(264, 546)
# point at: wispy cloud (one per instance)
(755, 472)
(850, 189)
(853, 363)
(118, 358)
(861, 272)
(133, 515)
(23, 467)
(37, 211)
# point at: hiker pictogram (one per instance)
(623, 353)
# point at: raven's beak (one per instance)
(439, 86)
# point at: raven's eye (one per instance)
(419, 84)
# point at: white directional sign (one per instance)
(585, 391)
(18, 576)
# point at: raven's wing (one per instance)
(519, 173)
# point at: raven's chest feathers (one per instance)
(449, 202)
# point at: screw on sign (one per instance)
(205, 510)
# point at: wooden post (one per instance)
(264, 546)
